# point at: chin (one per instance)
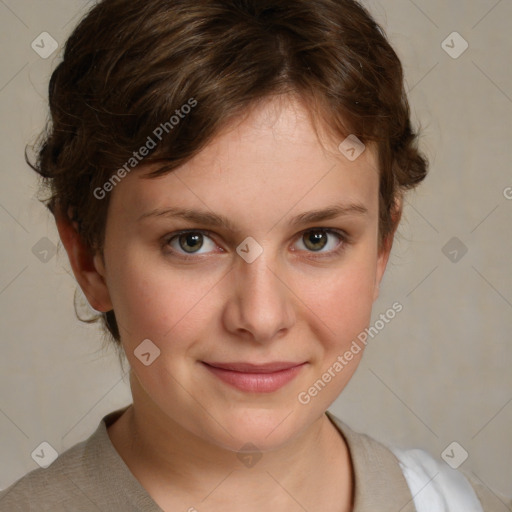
(267, 429)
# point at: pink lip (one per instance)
(264, 378)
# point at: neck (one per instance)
(177, 467)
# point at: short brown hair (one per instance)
(128, 66)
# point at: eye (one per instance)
(314, 240)
(189, 242)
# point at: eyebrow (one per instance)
(211, 219)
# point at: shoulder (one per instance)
(415, 474)
(379, 483)
(89, 476)
(491, 501)
(56, 485)
(434, 481)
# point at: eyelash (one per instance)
(344, 241)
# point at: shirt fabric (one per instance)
(91, 476)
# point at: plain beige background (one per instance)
(438, 372)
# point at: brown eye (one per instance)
(315, 240)
(190, 242)
(322, 242)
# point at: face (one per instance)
(269, 284)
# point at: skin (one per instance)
(181, 436)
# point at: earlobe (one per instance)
(88, 268)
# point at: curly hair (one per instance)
(129, 66)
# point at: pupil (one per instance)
(191, 239)
(316, 237)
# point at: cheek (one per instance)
(153, 300)
(345, 301)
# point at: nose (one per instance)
(260, 302)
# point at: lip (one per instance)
(276, 366)
(255, 378)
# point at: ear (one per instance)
(386, 246)
(88, 268)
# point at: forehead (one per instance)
(267, 164)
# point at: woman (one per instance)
(227, 178)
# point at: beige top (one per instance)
(91, 476)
